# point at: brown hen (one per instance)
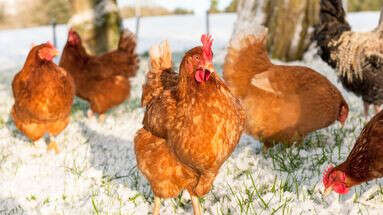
(364, 163)
(101, 80)
(282, 103)
(192, 124)
(43, 95)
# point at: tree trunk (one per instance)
(98, 22)
(290, 24)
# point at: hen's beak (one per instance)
(327, 191)
(210, 67)
(55, 52)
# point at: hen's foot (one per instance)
(101, 118)
(53, 146)
(89, 113)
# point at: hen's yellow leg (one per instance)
(101, 118)
(89, 113)
(157, 205)
(53, 145)
(196, 205)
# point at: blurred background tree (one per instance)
(179, 11)
(129, 11)
(34, 13)
(98, 22)
(232, 8)
(42, 12)
(289, 23)
(214, 7)
(2, 13)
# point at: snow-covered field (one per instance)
(96, 171)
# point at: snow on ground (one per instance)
(96, 171)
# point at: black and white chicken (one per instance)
(356, 56)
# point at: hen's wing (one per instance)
(159, 92)
(366, 157)
(263, 81)
(118, 90)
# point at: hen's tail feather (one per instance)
(248, 37)
(332, 11)
(160, 63)
(332, 25)
(246, 56)
(128, 45)
(160, 57)
(127, 41)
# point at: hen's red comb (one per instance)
(207, 42)
(326, 174)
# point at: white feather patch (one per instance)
(262, 82)
(155, 51)
(160, 50)
(236, 41)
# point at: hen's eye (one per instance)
(196, 57)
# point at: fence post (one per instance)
(137, 26)
(138, 17)
(207, 22)
(54, 23)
